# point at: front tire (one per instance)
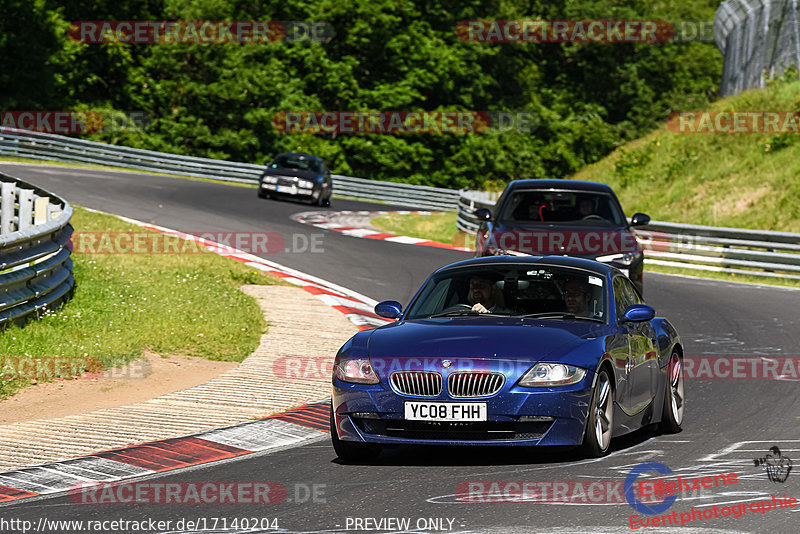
(262, 193)
(674, 399)
(351, 452)
(600, 421)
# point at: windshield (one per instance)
(585, 208)
(301, 163)
(514, 290)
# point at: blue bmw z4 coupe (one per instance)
(509, 351)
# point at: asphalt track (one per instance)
(728, 422)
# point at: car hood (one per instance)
(480, 338)
(303, 175)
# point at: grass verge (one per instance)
(125, 304)
(741, 180)
(725, 277)
(439, 227)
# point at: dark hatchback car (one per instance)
(563, 217)
(297, 175)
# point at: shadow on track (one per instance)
(437, 456)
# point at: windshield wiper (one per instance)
(560, 315)
(455, 313)
(471, 313)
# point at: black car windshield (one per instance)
(583, 208)
(301, 163)
(516, 290)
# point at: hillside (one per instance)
(744, 180)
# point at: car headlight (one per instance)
(305, 184)
(552, 374)
(626, 258)
(270, 180)
(357, 371)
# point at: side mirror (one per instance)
(484, 214)
(390, 309)
(640, 219)
(637, 313)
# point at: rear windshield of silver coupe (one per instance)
(583, 208)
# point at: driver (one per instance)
(485, 296)
(586, 208)
(577, 295)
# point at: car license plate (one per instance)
(445, 411)
(286, 189)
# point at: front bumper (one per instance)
(516, 416)
(290, 190)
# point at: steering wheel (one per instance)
(594, 217)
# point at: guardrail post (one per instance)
(53, 211)
(25, 199)
(7, 208)
(40, 209)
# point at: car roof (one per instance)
(571, 185)
(602, 269)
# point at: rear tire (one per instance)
(674, 399)
(600, 421)
(352, 452)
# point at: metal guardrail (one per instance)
(468, 202)
(35, 262)
(417, 196)
(45, 146)
(689, 246)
